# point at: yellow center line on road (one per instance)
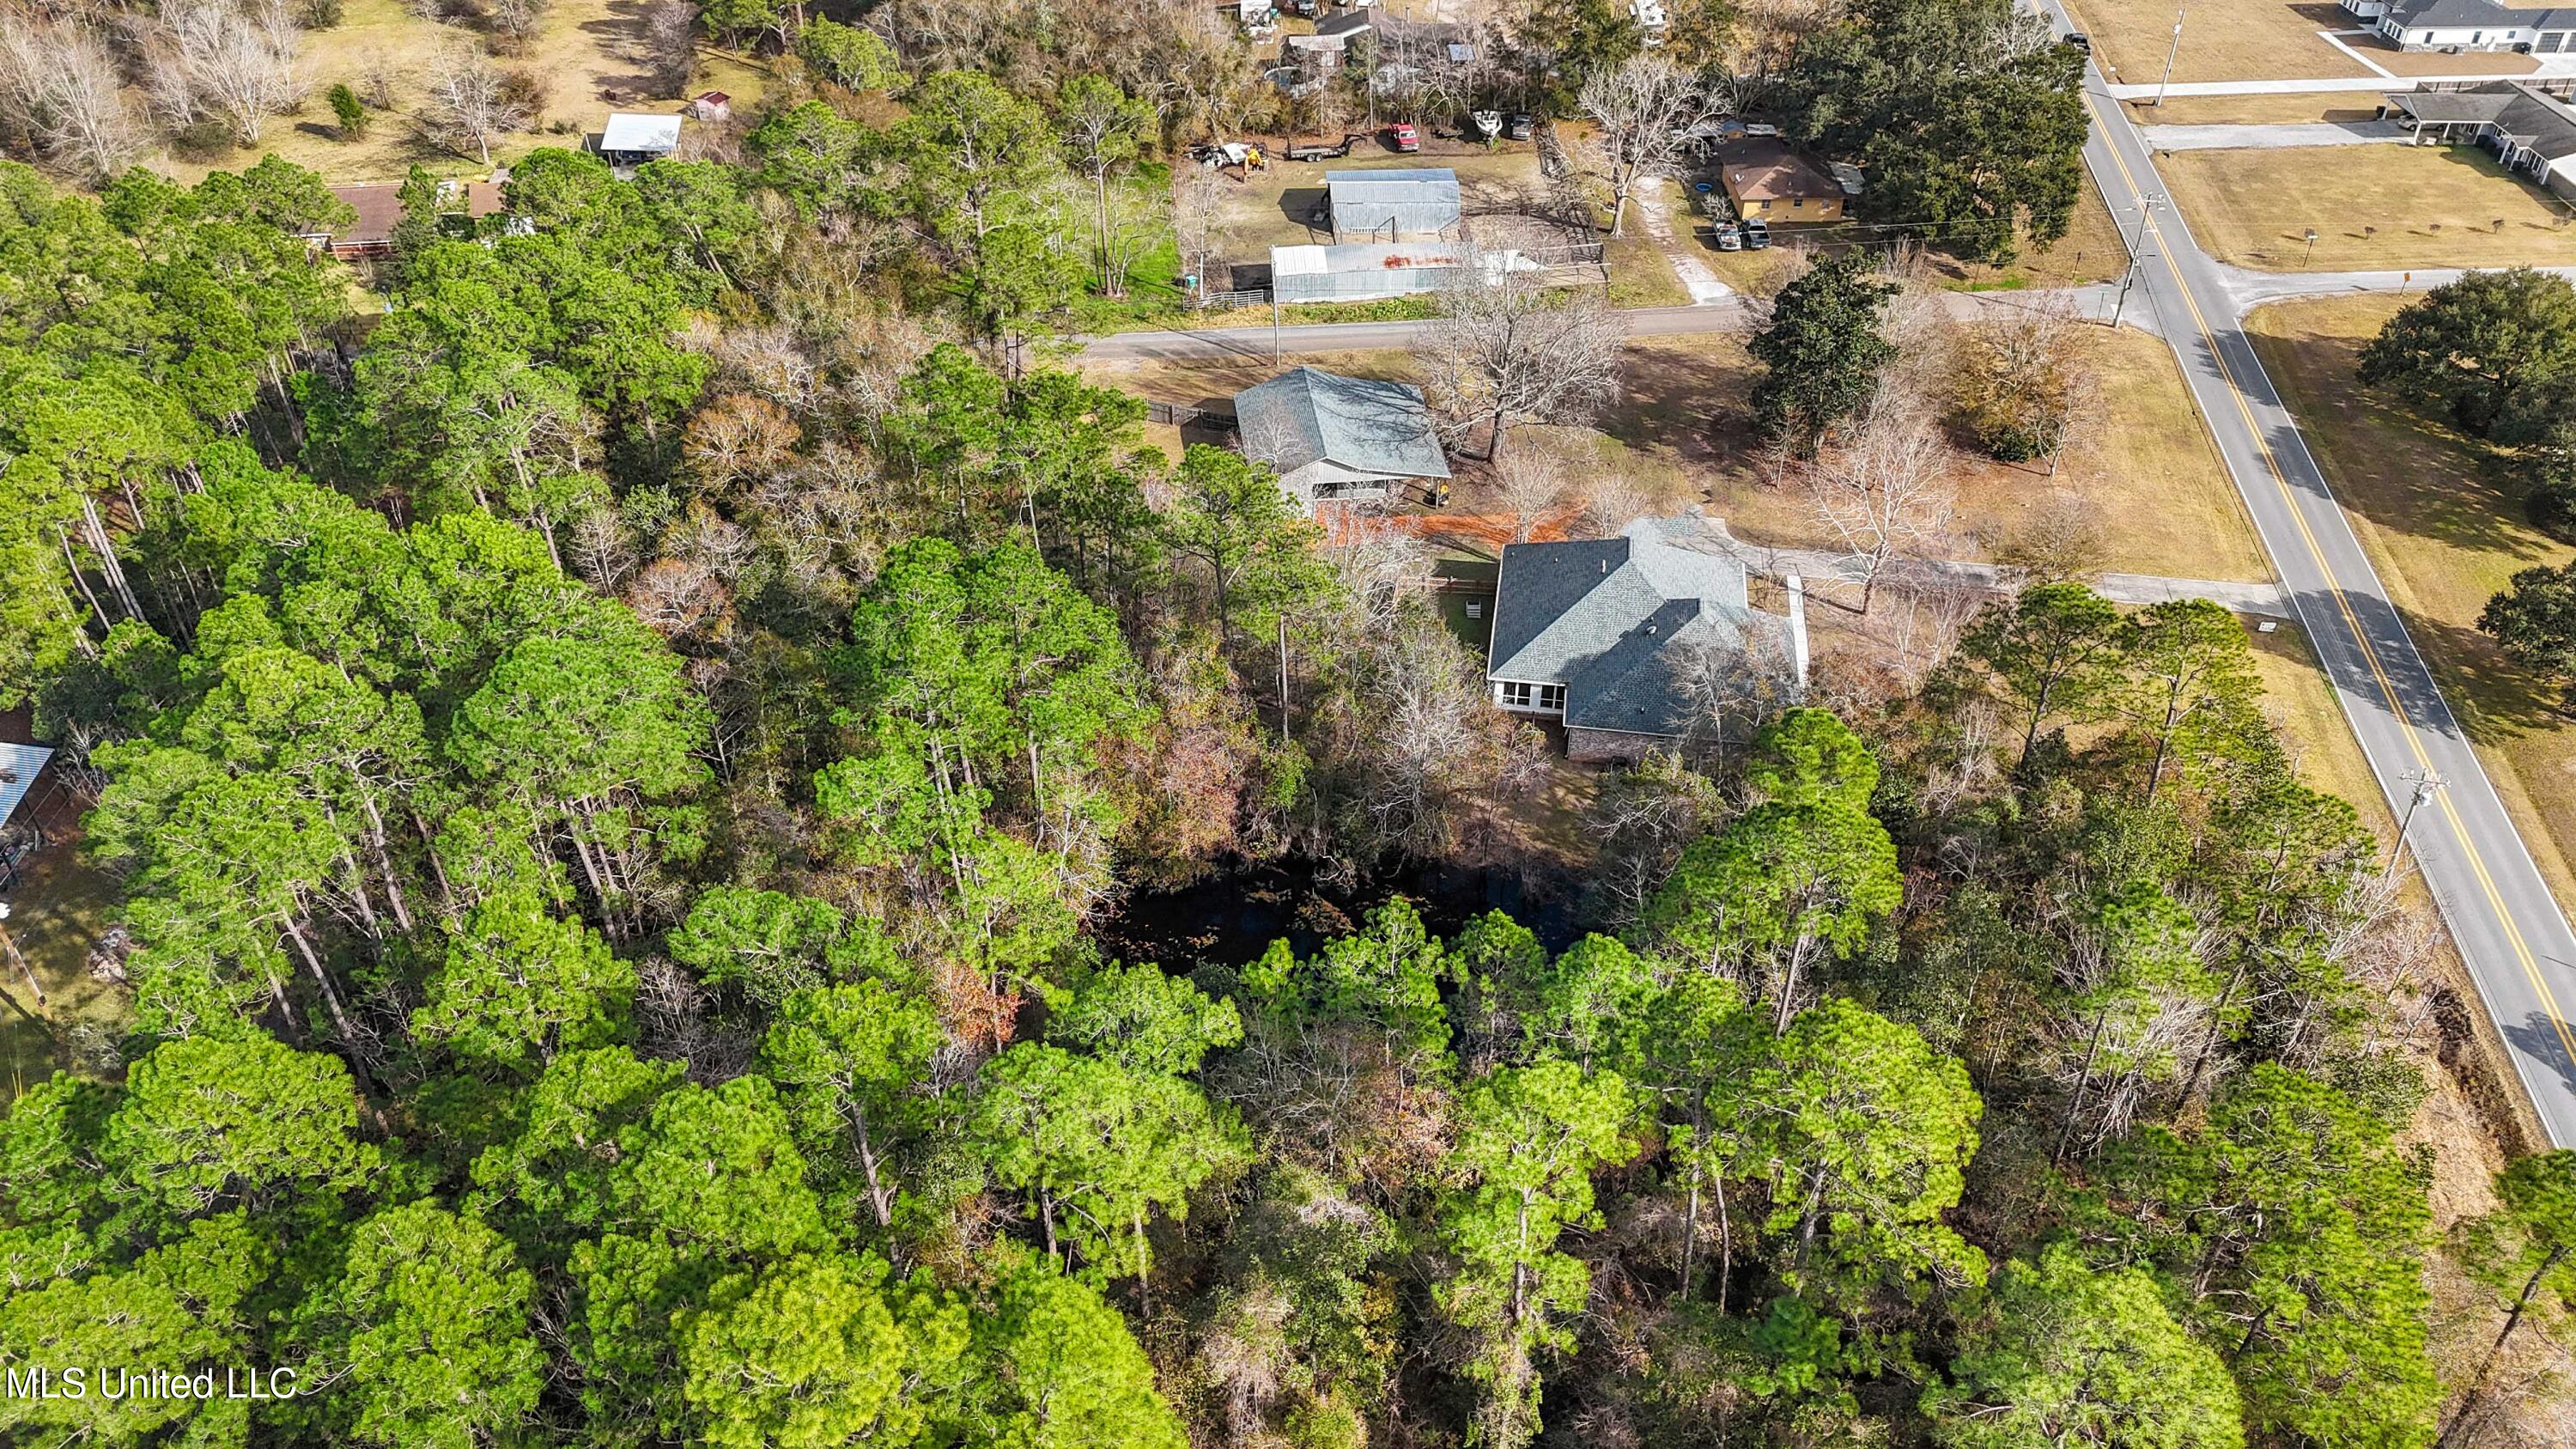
(2370, 655)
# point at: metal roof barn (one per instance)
(1401, 205)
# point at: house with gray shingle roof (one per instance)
(2532, 132)
(2469, 25)
(1642, 642)
(1339, 438)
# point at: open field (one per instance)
(2159, 498)
(2257, 40)
(2290, 110)
(583, 51)
(2445, 536)
(2373, 207)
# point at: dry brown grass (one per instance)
(2257, 110)
(585, 49)
(2089, 252)
(2258, 40)
(2434, 62)
(2163, 502)
(2445, 536)
(2373, 207)
(1273, 206)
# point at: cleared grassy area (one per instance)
(57, 915)
(2445, 535)
(2146, 473)
(583, 50)
(2357, 105)
(2434, 62)
(2373, 207)
(2089, 252)
(2257, 40)
(1282, 204)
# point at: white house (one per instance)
(2468, 25)
(2531, 132)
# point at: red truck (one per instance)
(1407, 139)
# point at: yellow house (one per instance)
(1767, 182)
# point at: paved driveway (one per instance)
(2270, 138)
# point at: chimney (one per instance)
(1798, 626)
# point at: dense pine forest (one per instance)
(614, 752)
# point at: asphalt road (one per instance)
(2509, 928)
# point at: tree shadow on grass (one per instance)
(1681, 405)
(2397, 465)
(2496, 701)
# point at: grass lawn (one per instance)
(2257, 110)
(2256, 40)
(2163, 501)
(2445, 536)
(1282, 204)
(584, 49)
(2373, 207)
(1640, 274)
(2089, 252)
(2434, 62)
(57, 915)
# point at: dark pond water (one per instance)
(1231, 917)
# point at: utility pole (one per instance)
(2427, 785)
(2175, 50)
(2129, 277)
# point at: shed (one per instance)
(712, 106)
(1338, 438)
(1363, 271)
(631, 138)
(1398, 205)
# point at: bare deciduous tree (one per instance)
(59, 88)
(1610, 504)
(468, 104)
(2025, 382)
(1532, 485)
(2060, 538)
(1196, 202)
(233, 60)
(1887, 487)
(668, 46)
(1648, 109)
(1506, 351)
(518, 19)
(378, 74)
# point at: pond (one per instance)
(1231, 917)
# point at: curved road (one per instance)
(2509, 928)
